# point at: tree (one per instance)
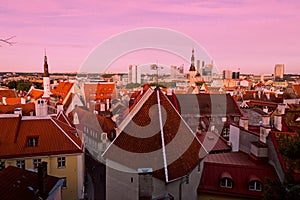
(7, 41)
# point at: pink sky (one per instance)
(252, 35)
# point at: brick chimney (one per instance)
(265, 120)
(244, 123)
(145, 183)
(42, 179)
(278, 122)
(281, 108)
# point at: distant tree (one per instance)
(7, 41)
(12, 85)
(132, 85)
(291, 148)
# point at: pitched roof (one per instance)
(12, 101)
(240, 168)
(105, 90)
(62, 89)
(54, 137)
(16, 183)
(208, 104)
(26, 108)
(154, 135)
(8, 93)
(35, 93)
(296, 89)
(213, 142)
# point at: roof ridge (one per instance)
(53, 120)
(162, 137)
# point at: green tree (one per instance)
(12, 85)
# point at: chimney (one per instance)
(59, 108)
(265, 109)
(42, 179)
(278, 122)
(145, 183)
(18, 111)
(259, 94)
(169, 91)
(23, 100)
(268, 96)
(108, 104)
(41, 107)
(281, 108)
(4, 100)
(244, 123)
(254, 95)
(264, 132)
(265, 120)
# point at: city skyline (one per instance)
(250, 35)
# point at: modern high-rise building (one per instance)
(134, 74)
(278, 71)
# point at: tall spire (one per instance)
(46, 71)
(192, 68)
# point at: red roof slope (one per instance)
(9, 109)
(54, 137)
(213, 142)
(8, 93)
(16, 183)
(240, 168)
(208, 104)
(35, 93)
(156, 137)
(62, 89)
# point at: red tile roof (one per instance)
(62, 89)
(12, 101)
(9, 109)
(105, 91)
(16, 183)
(296, 89)
(8, 93)
(35, 93)
(208, 104)
(213, 142)
(240, 168)
(171, 151)
(54, 137)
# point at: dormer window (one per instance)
(226, 183)
(226, 180)
(32, 141)
(255, 183)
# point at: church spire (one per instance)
(46, 71)
(192, 67)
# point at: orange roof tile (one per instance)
(105, 91)
(62, 89)
(296, 89)
(26, 108)
(12, 101)
(54, 137)
(8, 93)
(35, 93)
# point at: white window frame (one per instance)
(20, 164)
(36, 162)
(61, 162)
(226, 182)
(255, 186)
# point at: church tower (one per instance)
(46, 79)
(192, 70)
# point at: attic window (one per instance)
(32, 141)
(226, 183)
(255, 186)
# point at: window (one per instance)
(20, 164)
(2, 165)
(61, 162)
(255, 186)
(226, 132)
(32, 141)
(36, 163)
(226, 182)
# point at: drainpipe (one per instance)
(186, 180)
